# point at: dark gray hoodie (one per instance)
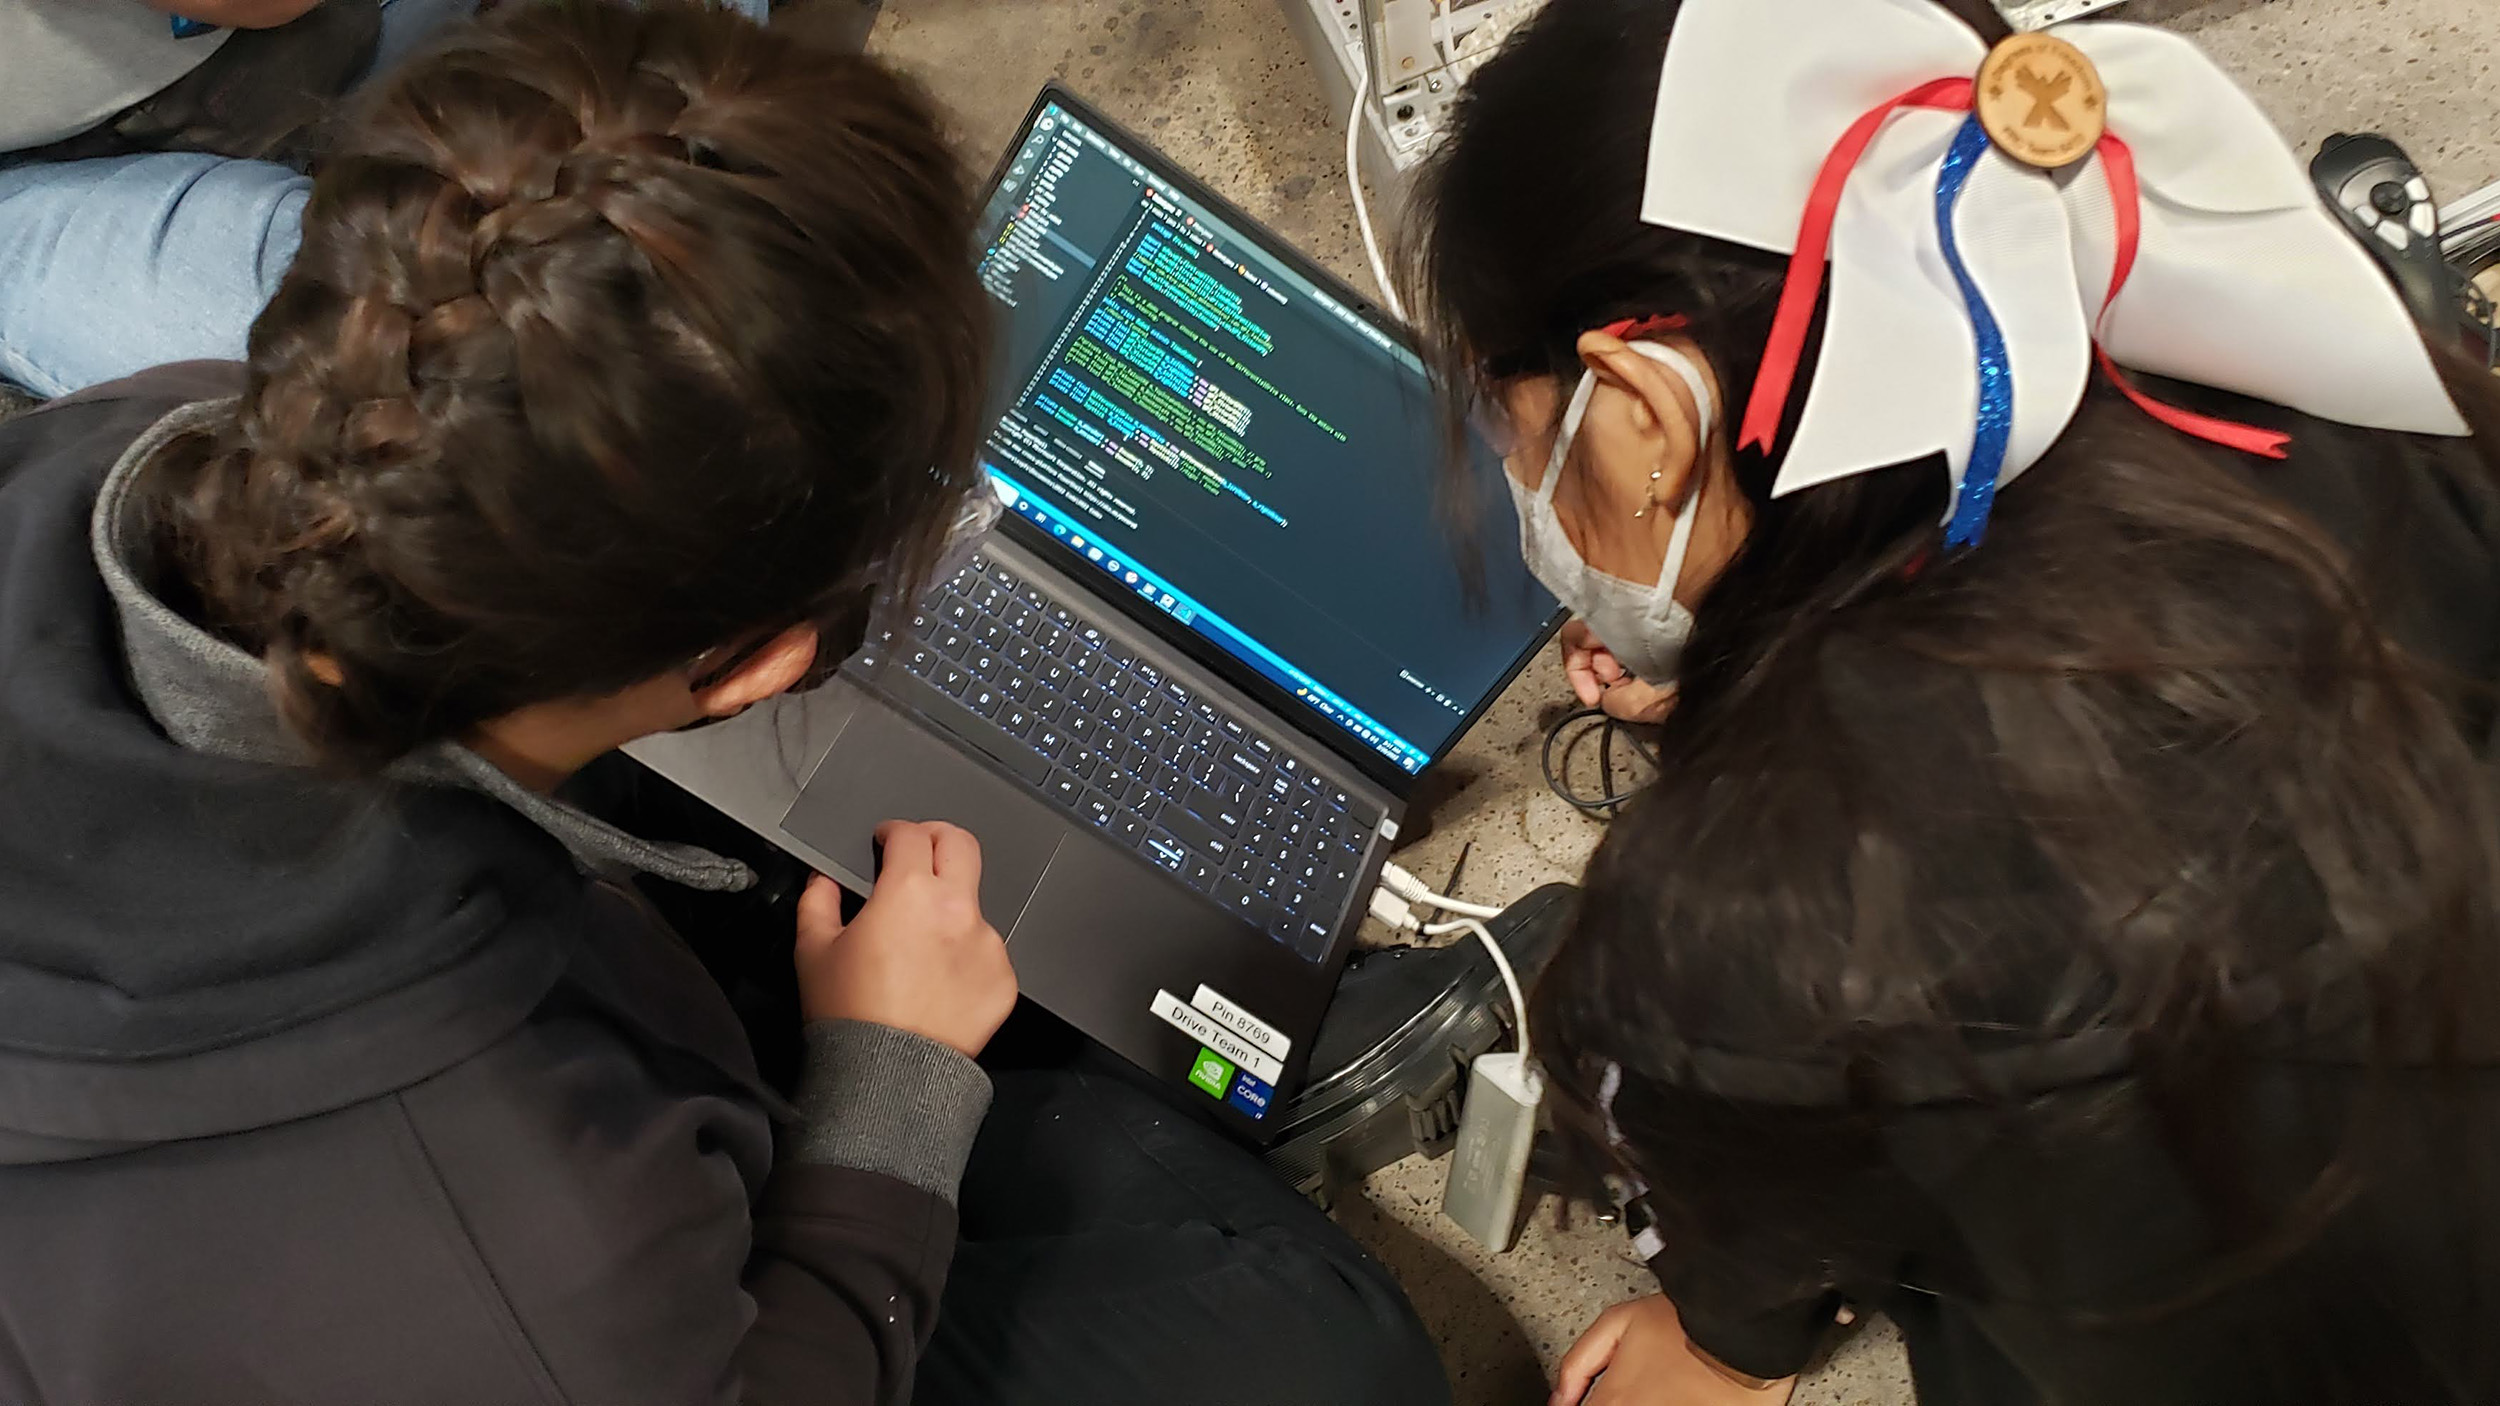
(325, 1093)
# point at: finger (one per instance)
(1607, 667)
(820, 910)
(1588, 1357)
(909, 850)
(1584, 684)
(1637, 702)
(958, 855)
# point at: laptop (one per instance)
(1185, 689)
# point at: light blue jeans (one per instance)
(121, 263)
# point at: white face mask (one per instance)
(1645, 626)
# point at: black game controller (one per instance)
(2383, 198)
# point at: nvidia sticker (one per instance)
(1213, 1073)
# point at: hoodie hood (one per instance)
(198, 933)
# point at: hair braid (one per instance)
(616, 333)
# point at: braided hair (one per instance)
(618, 334)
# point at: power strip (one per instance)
(1402, 122)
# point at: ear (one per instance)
(1642, 419)
(782, 662)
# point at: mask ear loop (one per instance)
(1573, 415)
(1679, 543)
(1705, 412)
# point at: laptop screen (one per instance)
(1195, 419)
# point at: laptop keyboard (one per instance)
(1203, 794)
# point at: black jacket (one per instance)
(2053, 1244)
(319, 1093)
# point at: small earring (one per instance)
(1654, 476)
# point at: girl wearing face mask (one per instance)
(1631, 485)
(2068, 919)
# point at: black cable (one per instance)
(1609, 801)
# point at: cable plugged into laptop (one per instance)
(1497, 1130)
(1395, 911)
(1405, 885)
(1394, 903)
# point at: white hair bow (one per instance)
(1969, 288)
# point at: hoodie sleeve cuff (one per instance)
(877, 1099)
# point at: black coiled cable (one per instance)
(1576, 727)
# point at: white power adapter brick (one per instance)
(1489, 1169)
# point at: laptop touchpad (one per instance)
(887, 769)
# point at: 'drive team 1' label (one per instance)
(1228, 1065)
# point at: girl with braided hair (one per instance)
(631, 359)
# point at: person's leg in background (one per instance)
(116, 264)
(1117, 1252)
(125, 262)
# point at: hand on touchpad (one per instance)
(887, 769)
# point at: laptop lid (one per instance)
(1235, 449)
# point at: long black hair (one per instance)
(2183, 768)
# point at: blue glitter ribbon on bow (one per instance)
(1996, 367)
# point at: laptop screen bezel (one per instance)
(1201, 651)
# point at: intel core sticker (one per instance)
(1242, 1023)
(1251, 1094)
(1203, 1029)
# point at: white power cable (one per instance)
(1392, 908)
(1501, 963)
(1354, 187)
(1405, 885)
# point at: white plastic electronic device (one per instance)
(1489, 1168)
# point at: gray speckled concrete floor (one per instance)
(1220, 85)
